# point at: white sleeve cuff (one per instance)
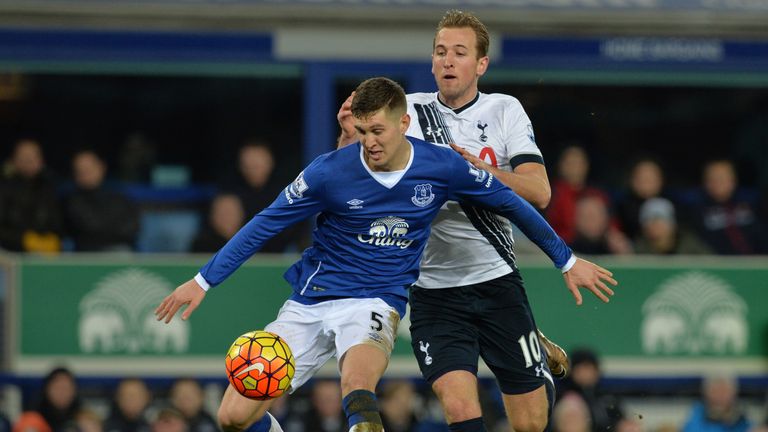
(571, 261)
(202, 282)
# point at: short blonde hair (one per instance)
(455, 18)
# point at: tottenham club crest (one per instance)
(423, 195)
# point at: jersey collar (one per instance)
(462, 108)
(387, 179)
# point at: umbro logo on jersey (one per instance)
(256, 366)
(355, 204)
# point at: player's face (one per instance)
(456, 66)
(383, 138)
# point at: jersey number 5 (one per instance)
(376, 318)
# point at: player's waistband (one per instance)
(396, 301)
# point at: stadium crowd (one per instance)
(44, 213)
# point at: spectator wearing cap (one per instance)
(584, 381)
(661, 234)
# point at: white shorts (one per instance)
(317, 332)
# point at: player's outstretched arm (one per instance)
(584, 274)
(190, 292)
(347, 123)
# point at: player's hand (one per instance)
(190, 292)
(585, 274)
(347, 123)
(469, 157)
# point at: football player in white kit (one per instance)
(469, 300)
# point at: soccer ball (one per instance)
(260, 365)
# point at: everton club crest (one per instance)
(423, 195)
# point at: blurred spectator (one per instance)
(646, 181)
(584, 380)
(257, 189)
(131, 400)
(593, 232)
(170, 420)
(137, 159)
(5, 424)
(187, 397)
(224, 219)
(29, 211)
(719, 411)
(31, 421)
(726, 223)
(326, 414)
(571, 414)
(661, 233)
(99, 219)
(60, 401)
(397, 403)
(568, 187)
(88, 421)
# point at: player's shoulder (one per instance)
(327, 161)
(420, 98)
(438, 152)
(500, 100)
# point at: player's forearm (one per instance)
(530, 187)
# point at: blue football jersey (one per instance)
(370, 235)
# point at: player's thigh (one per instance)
(443, 336)
(529, 411)
(508, 339)
(238, 411)
(363, 325)
(457, 392)
(303, 329)
(361, 368)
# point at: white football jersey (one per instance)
(469, 245)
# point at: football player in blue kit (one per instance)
(376, 200)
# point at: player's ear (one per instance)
(405, 122)
(482, 65)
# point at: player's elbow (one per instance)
(542, 198)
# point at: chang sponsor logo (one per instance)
(388, 231)
(116, 316)
(695, 313)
